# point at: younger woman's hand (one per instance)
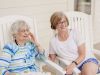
(70, 68)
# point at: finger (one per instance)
(69, 74)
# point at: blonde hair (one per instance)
(56, 17)
(16, 26)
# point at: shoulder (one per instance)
(30, 45)
(52, 40)
(10, 48)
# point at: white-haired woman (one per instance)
(19, 56)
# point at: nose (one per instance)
(26, 32)
(63, 24)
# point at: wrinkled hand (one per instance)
(40, 48)
(32, 37)
(34, 40)
(70, 68)
(7, 73)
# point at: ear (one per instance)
(14, 36)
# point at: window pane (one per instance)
(83, 5)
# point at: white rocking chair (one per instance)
(5, 23)
(83, 23)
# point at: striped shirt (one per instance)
(16, 59)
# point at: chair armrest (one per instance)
(76, 70)
(55, 66)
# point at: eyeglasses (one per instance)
(62, 22)
(24, 30)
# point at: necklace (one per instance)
(18, 44)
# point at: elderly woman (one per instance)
(69, 45)
(19, 56)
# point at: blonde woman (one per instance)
(69, 45)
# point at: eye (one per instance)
(61, 22)
(24, 30)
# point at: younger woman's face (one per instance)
(62, 25)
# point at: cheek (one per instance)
(58, 29)
(20, 35)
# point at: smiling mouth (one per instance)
(63, 27)
(25, 36)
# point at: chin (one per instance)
(25, 39)
(63, 30)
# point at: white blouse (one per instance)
(68, 49)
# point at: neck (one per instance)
(20, 43)
(62, 36)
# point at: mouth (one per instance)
(25, 36)
(63, 27)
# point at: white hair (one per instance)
(16, 26)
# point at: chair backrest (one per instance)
(6, 22)
(82, 22)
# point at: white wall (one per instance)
(95, 11)
(96, 26)
(41, 9)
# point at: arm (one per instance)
(39, 53)
(52, 53)
(33, 39)
(5, 59)
(81, 53)
(79, 40)
(52, 57)
(36, 47)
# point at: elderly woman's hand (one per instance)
(7, 73)
(32, 38)
(40, 48)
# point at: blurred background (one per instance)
(42, 10)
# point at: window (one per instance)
(83, 5)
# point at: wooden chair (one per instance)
(83, 23)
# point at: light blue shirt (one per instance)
(17, 59)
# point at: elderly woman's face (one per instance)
(62, 24)
(23, 33)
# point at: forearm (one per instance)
(7, 73)
(81, 53)
(80, 59)
(3, 71)
(70, 68)
(39, 47)
(52, 57)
